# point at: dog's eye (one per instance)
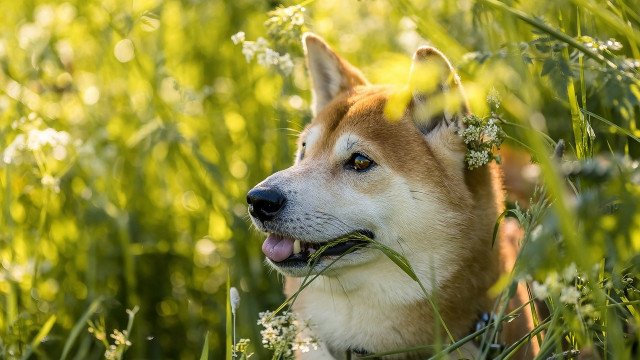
(359, 162)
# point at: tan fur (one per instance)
(368, 302)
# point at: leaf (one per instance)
(548, 66)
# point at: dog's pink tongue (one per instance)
(277, 247)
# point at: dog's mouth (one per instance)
(286, 251)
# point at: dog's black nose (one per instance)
(265, 203)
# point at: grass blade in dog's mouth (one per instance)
(288, 251)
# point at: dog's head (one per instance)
(400, 181)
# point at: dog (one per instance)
(402, 182)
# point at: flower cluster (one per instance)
(560, 285)
(284, 27)
(281, 332)
(36, 140)
(286, 24)
(121, 343)
(567, 287)
(241, 349)
(263, 53)
(596, 45)
(481, 136)
(120, 339)
(494, 99)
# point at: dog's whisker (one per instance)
(344, 290)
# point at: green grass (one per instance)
(138, 199)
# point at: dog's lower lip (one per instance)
(302, 259)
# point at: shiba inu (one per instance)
(401, 182)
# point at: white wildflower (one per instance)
(570, 295)
(268, 57)
(553, 283)
(262, 43)
(32, 36)
(281, 334)
(249, 49)
(570, 272)
(234, 298)
(49, 181)
(111, 353)
(493, 98)
(11, 152)
(286, 64)
(613, 44)
(472, 134)
(297, 19)
(477, 158)
(305, 344)
(540, 290)
(491, 131)
(238, 37)
(37, 139)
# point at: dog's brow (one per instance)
(345, 144)
(351, 142)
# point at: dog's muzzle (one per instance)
(265, 203)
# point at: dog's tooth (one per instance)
(296, 246)
(311, 250)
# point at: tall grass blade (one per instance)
(229, 325)
(79, 326)
(579, 125)
(205, 348)
(44, 331)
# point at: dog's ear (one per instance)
(438, 101)
(437, 94)
(330, 74)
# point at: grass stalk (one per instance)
(580, 131)
(229, 326)
(79, 326)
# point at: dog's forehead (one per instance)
(359, 112)
(363, 104)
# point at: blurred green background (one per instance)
(136, 197)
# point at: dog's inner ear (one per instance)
(330, 74)
(437, 97)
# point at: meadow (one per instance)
(131, 131)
